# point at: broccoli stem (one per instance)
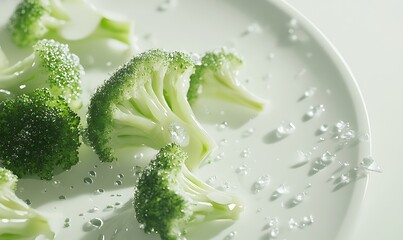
(207, 202)
(112, 29)
(226, 91)
(15, 80)
(17, 215)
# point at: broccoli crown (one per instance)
(51, 65)
(25, 23)
(33, 20)
(18, 220)
(216, 77)
(170, 200)
(144, 104)
(7, 179)
(39, 134)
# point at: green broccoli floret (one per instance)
(144, 104)
(216, 77)
(69, 20)
(39, 134)
(17, 219)
(170, 200)
(51, 65)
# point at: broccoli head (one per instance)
(51, 65)
(170, 200)
(216, 77)
(39, 133)
(17, 219)
(144, 104)
(70, 20)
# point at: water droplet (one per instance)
(230, 235)
(118, 182)
(66, 225)
(343, 133)
(261, 183)
(248, 132)
(67, 220)
(299, 198)
(222, 126)
(219, 156)
(245, 153)
(96, 222)
(28, 202)
(88, 180)
(280, 190)
(253, 28)
(99, 191)
(327, 158)
(285, 129)
(56, 182)
(315, 111)
(274, 232)
(345, 178)
(138, 156)
(273, 221)
(369, 164)
(211, 180)
(323, 128)
(306, 221)
(310, 92)
(62, 197)
(167, 5)
(179, 134)
(292, 224)
(303, 157)
(120, 175)
(94, 209)
(92, 173)
(242, 170)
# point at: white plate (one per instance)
(285, 56)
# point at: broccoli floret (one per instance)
(51, 65)
(39, 134)
(144, 104)
(216, 77)
(170, 200)
(70, 20)
(17, 219)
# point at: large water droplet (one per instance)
(261, 183)
(96, 222)
(285, 129)
(179, 134)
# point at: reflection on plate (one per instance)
(297, 166)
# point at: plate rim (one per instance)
(347, 228)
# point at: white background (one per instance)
(369, 35)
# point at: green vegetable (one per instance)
(216, 77)
(51, 65)
(39, 133)
(68, 20)
(144, 104)
(170, 200)
(17, 219)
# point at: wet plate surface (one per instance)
(297, 166)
